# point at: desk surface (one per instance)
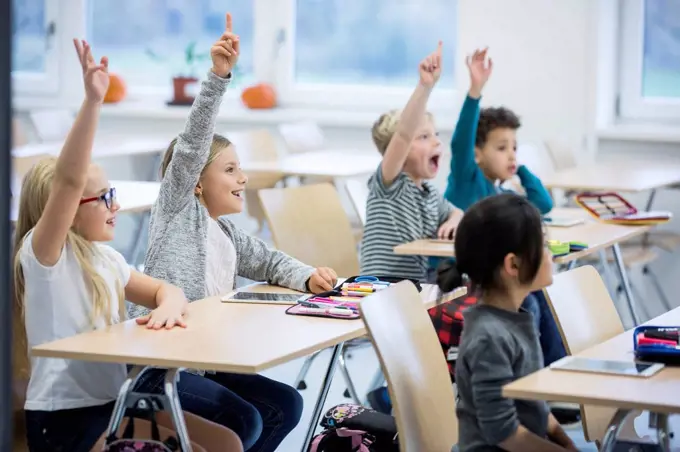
(597, 235)
(658, 393)
(615, 176)
(227, 337)
(133, 196)
(317, 164)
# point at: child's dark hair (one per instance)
(490, 230)
(491, 118)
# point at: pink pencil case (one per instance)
(328, 312)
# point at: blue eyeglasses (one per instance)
(108, 197)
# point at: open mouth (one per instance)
(512, 168)
(238, 193)
(111, 221)
(434, 162)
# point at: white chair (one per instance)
(358, 194)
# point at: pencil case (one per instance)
(613, 208)
(338, 312)
(658, 344)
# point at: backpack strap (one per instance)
(358, 437)
(314, 447)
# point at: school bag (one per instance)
(354, 428)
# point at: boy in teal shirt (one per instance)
(484, 149)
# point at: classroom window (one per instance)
(650, 60)
(34, 48)
(349, 52)
(149, 41)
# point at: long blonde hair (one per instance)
(35, 192)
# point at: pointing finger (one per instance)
(229, 22)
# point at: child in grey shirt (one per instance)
(500, 247)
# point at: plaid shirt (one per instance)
(447, 319)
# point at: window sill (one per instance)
(233, 112)
(654, 133)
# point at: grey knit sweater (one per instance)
(179, 222)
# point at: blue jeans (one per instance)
(551, 341)
(260, 411)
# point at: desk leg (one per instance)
(171, 378)
(323, 393)
(623, 274)
(610, 436)
(659, 422)
(121, 402)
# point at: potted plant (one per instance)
(185, 76)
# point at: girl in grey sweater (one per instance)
(194, 247)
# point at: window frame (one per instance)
(46, 82)
(273, 63)
(632, 105)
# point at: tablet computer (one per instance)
(601, 366)
(263, 298)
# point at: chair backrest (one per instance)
(562, 156)
(305, 136)
(358, 194)
(254, 145)
(53, 124)
(414, 366)
(583, 309)
(586, 316)
(310, 223)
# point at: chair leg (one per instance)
(300, 383)
(345, 373)
(657, 286)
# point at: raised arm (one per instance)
(463, 142)
(192, 147)
(411, 117)
(70, 175)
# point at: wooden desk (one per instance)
(133, 197)
(227, 337)
(597, 235)
(657, 394)
(215, 337)
(317, 164)
(615, 176)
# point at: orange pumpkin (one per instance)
(116, 91)
(260, 96)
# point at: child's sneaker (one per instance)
(379, 400)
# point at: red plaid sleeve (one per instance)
(447, 319)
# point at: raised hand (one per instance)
(480, 69)
(431, 67)
(95, 76)
(225, 51)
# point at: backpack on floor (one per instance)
(353, 428)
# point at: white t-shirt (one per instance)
(58, 304)
(221, 261)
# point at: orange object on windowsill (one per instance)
(260, 96)
(116, 91)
